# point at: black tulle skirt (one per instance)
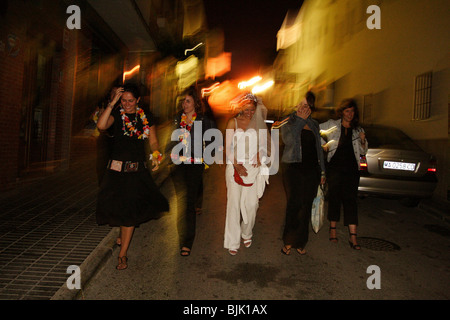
(129, 199)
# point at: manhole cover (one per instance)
(377, 244)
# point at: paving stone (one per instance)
(45, 226)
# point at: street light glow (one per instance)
(210, 89)
(126, 73)
(252, 81)
(192, 49)
(265, 86)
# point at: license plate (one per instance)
(399, 165)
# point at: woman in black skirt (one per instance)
(128, 195)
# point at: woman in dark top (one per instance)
(189, 127)
(128, 195)
(346, 143)
(303, 169)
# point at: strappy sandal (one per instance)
(301, 251)
(123, 263)
(354, 246)
(286, 250)
(335, 240)
(185, 252)
(248, 243)
(233, 252)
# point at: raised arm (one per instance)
(106, 120)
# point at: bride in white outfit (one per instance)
(245, 175)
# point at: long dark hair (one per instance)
(349, 103)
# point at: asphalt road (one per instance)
(407, 248)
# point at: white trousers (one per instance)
(240, 199)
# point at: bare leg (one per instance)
(119, 239)
(126, 234)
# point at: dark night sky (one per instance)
(250, 28)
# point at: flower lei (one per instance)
(156, 155)
(184, 124)
(186, 127)
(130, 127)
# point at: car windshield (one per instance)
(389, 138)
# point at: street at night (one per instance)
(136, 155)
(410, 246)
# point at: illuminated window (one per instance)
(422, 96)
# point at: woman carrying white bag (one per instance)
(303, 169)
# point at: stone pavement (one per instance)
(46, 226)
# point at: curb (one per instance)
(98, 258)
(89, 268)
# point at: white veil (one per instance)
(259, 124)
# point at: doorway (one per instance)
(34, 125)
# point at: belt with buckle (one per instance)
(125, 166)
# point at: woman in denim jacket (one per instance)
(303, 169)
(346, 142)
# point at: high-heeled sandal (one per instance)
(233, 252)
(335, 240)
(248, 243)
(123, 263)
(350, 242)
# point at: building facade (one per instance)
(398, 71)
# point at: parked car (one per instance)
(395, 166)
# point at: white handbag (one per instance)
(318, 210)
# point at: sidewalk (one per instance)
(46, 226)
(49, 224)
